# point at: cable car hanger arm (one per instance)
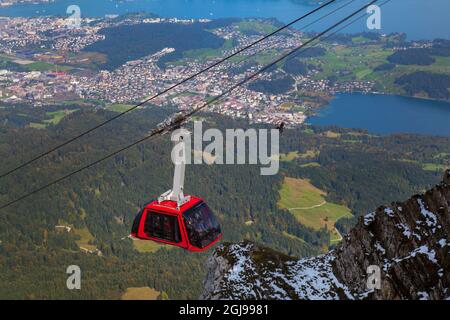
(176, 194)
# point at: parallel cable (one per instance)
(157, 131)
(26, 163)
(304, 27)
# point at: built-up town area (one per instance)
(42, 62)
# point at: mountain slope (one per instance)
(408, 241)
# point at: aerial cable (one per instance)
(303, 28)
(180, 118)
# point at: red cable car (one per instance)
(177, 219)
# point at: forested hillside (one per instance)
(147, 39)
(354, 168)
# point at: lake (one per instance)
(385, 114)
(420, 19)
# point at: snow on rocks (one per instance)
(423, 295)
(443, 242)
(368, 218)
(309, 278)
(313, 279)
(430, 217)
(389, 212)
(431, 254)
(380, 248)
(405, 229)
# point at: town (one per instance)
(42, 62)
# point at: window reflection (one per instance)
(201, 225)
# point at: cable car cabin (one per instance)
(177, 219)
(193, 226)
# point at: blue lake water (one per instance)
(383, 114)
(420, 19)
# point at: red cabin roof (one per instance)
(171, 206)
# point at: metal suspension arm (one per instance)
(179, 158)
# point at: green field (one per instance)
(55, 117)
(208, 53)
(118, 107)
(44, 66)
(85, 238)
(439, 167)
(307, 203)
(256, 26)
(90, 60)
(288, 157)
(146, 246)
(310, 164)
(358, 61)
(142, 293)
(32, 65)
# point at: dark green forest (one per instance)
(147, 39)
(277, 85)
(295, 67)
(412, 56)
(435, 85)
(356, 169)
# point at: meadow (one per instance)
(308, 204)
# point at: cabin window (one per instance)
(162, 226)
(201, 225)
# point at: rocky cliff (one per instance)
(408, 243)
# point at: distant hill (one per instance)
(411, 56)
(436, 86)
(132, 42)
(274, 86)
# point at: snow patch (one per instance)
(431, 254)
(309, 278)
(380, 248)
(389, 212)
(368, 218)
(242, 265)
(423, 295)
(430, 217)
(406, 231)
(313, 279)
(443, 243)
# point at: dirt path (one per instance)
(312, 207)
(340, 235)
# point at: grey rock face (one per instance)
(409, 242)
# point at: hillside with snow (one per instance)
(409, 243)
